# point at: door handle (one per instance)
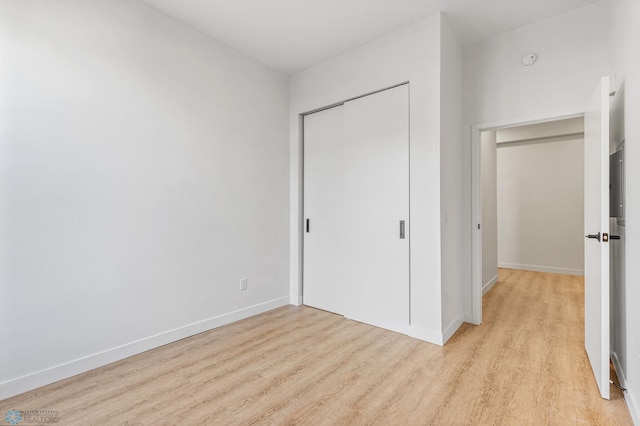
(614, 237)
(307, 226)
(402, 229)
(594, 236)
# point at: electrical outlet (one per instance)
(243, 284)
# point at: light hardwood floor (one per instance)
(297, 365)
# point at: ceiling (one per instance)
(291, 35)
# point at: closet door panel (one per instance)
(376, 200)
(323, 277)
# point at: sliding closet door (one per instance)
(376, 208)
(323, 279)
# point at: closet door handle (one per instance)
(307, 226)
(402, 229)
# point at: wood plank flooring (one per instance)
(297, 365)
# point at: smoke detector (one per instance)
(529, 59)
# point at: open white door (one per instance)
(596, 223)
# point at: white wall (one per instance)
(489, 157)
(411, 54)
(573, 55)
(451, 183)
(572, 51)
(143, 171)
(540, 200)
(625, 61)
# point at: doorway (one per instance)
(596, 216)
(514, 135)
(533, 199)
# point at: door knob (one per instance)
(594, 236)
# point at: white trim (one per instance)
(628, 395)
(633, 406)
(541, 268)
(476, 196)
(476, 229)
(488, 286)
(452, 328)
(296, 209)
(425, 334)
(435, 336)
(543, 139)
(532, 119)
(68, 369)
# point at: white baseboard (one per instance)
(426, 334)
(421, 333)
(434, 336)
(538, 268)
(468, 317)
(634, 407)
(452, 328)
(629, 396)
(489, 285)
(53, 374)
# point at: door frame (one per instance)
(476, 195)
